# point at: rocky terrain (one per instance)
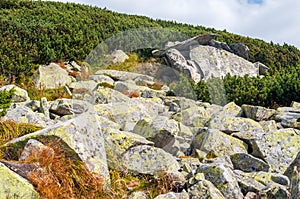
(117, 120)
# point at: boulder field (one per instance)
(117, 121)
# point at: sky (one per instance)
(270, 20)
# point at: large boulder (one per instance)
(215, 62)
(52, 76)
(14, 186)
(82, 136)
(278, 148)
(216, 143)
(258, 113)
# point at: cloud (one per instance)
(270, 20)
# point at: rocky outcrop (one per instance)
(202, 57)
(207, 150)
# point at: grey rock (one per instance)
(288, 117)
(52, 76)
(268, 125)
(167, 134)
(83, 136)
(240, 50)
(23, 114)
(125, 76)
(216, 143)
(193, 116)
(278, 148)
(215, 62)
(248, 163)
(220, 45)
(102, 79)
(204, 189)
(146, 159)
(295, 105)
(103, 95)
(258, 113)
(230, 124)
(118, 142)
(118, 56)
(247, 184)
(64, 107)
(83, 86)
(263, 69)
(223, 178)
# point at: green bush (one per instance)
(5, 101)
(279, 89)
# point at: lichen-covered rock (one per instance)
(52, 76)
(248, 184)
(127, 114)
(24, 114)
(14, 186)
(248, 163)
(278, 148)
(104, 95)
(146, 159)
(172, 195)
(268, 125)
(258, 113)
(118, 142)
(231, 109)
(223, 178)
(217, 143)
(218, 63)
(274, 190)
(193, 116)
(83, 136)
(204, 189)
(267, 178)
(230, 124)
(20, 95)
(168, 134)
(288, 117)
(295, 105)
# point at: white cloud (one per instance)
(275, 20)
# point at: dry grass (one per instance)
(62, 177)
(10, 129)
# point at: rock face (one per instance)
(203, 57)
(206, 150)
(52, 76)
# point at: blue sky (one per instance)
(270, 20)
(255, 1)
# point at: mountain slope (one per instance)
(35, 32)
